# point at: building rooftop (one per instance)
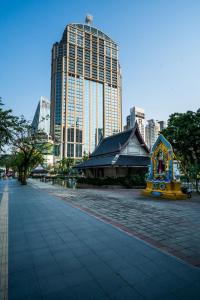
(110, 151)
(90, 29)
(115, 143)
(112, 144)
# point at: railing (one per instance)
(191, 186)
(68, 182)
(71, 182)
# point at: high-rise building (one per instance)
(41, 119)
(162, 125)
(137, 115)
(128, 123)
(152, 130)
(85, 90)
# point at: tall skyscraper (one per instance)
(137, 114)
(85, 90)
(41, 119)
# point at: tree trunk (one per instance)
(24, 177)
(19, 177)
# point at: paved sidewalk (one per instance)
(3, 242)
(173, 226)
(58, 252)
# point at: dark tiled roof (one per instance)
(112, 144)
(106, 151)
(97, 161)
(109, 160)
(129, 160)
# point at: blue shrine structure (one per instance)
(163, 179)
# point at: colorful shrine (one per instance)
(164, 178)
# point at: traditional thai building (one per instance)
(118, 155)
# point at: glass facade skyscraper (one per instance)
(41, 120)
(85, 90)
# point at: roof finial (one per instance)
(89, 19)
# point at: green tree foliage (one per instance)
(6, 161)
(85, 156)
(8, 126)
(65, 165)
(29, 149)
(183, 132)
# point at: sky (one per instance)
(159, 50)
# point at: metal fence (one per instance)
(191, 186)
(69, 182)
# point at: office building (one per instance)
(152, 130)
(41, 120)
(137, 115)
(85, 90)
(162, 125)
(149, 129)
(128, 123)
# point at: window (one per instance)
(70, 150)
(94, 58)
(80, 53)
(87, 41)
(101, 46)
(72, 51)
(80, 40)
(101, 74)
(108, 62)
(94, 72)
(72, 65)
(79, 67)
(70, 134)
(87, 56)
(72, 37)
(87, 70)
(108, 52)
(78, 150)
(78, 135)
(101, 61)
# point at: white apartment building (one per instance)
(138, 114)
(152, 130)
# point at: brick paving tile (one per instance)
(172, 226)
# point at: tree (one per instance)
(29, 149)
(8, 126)
(6, 161)
(65, 165)
(85, 156)
(183, 132)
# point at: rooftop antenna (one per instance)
(89, 19)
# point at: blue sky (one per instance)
(158, 40)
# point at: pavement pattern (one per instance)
(173, 226)
(57, 251)
(4, 243)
